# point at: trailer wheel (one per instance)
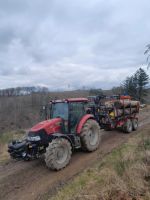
(134, 124)
(90, 136)
(58, 154)
(127, 127)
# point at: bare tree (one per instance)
(147, 53)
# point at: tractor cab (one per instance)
(69, 110)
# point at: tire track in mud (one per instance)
(30, 180)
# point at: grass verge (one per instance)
(123, 174)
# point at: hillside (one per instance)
(23, 111)
(17, 112)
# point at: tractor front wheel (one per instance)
(90, 135)
(58, 154)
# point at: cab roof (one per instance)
(71, 100)
(77, 100)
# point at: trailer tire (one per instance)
(58, 154)
(134, 124)
(90, 136)
(127, 127)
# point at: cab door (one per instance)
(77, 111)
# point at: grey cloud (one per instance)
(62, 42)
(6, 36)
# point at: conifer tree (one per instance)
(135, 85)
(142, 81)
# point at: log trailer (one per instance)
(74, 123)
(115, 112)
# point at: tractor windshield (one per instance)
(59, 110)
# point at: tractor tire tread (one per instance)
(84, 136)
(50, 158)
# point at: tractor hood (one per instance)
(49, 126)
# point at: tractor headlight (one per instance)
(33, 138)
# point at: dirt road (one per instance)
(32, 180)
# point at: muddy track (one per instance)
(31, 180)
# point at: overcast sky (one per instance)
(68, 44)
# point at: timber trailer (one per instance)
(72, 124)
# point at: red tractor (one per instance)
(75, 123)
(69, 125)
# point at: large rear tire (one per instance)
(90, 136)
(58, 154)
(127, 127)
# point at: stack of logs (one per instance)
(122, 106)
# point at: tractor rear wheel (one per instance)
(127, 127)
(134, 124)
(90, 136)
(58, 154)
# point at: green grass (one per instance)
(119, 159)
(147, 144)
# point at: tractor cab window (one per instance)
(59, 110)
(77, 110)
